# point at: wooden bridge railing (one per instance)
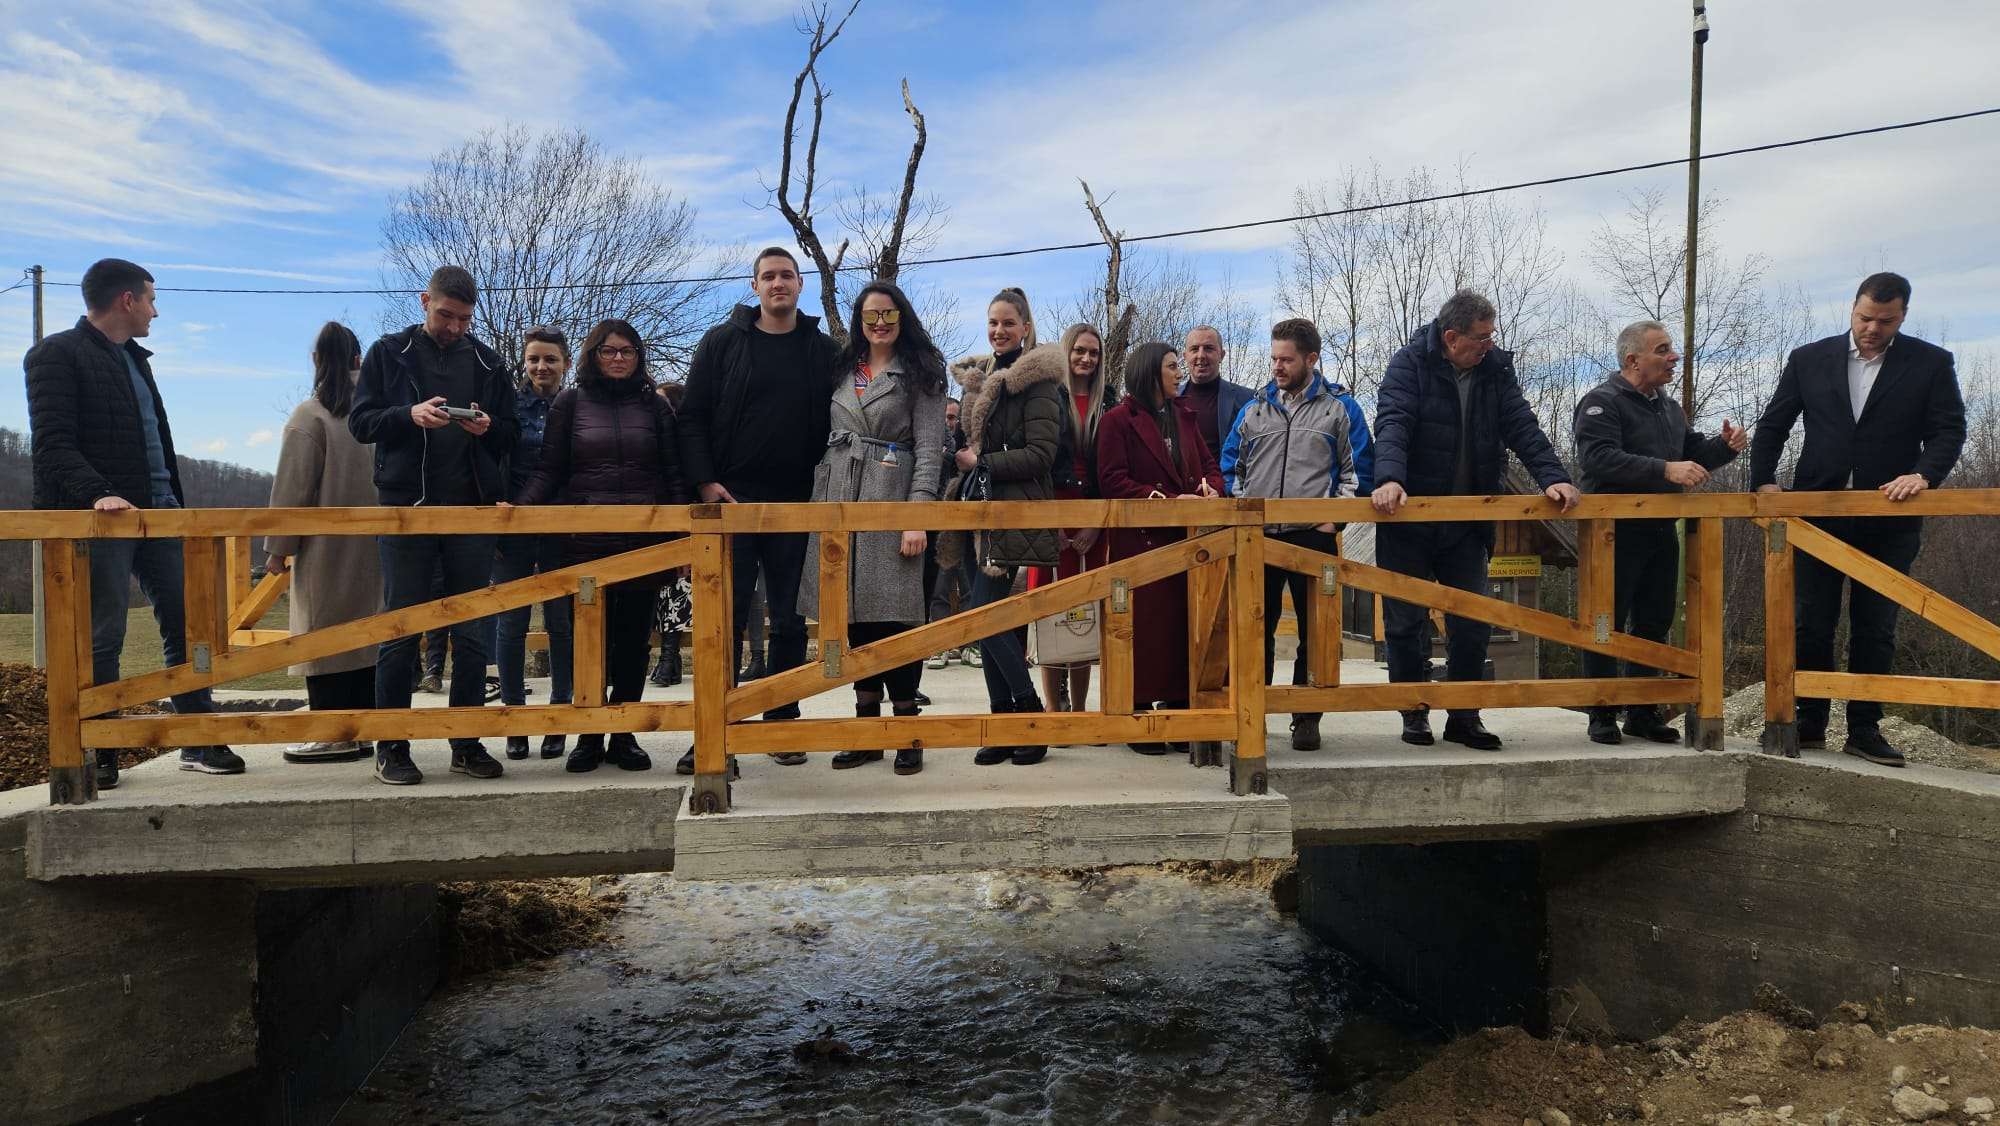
(1222, 558)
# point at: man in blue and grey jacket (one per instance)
(1291, 440)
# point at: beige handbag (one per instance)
(1068, 638)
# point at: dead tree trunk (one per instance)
(888, 262)
(1118, 335)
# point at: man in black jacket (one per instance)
(753, 425)
(1882, 412)
(1448, 410)
(439, 408)
(118, 458)
(1632, 438)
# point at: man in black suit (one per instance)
(1883, 412)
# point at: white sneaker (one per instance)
(940, 660)
(342, 751)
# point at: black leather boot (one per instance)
(909, 760)
(1032, 754)
(848, 760)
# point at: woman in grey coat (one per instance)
(335, 579)
(887, 444)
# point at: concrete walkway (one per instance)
(332, 823)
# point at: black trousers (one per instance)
(900, 683)
(1871, 618)
(1450, 553)
(1645, 576)
(1277, 580)
(341, 691)
(628, 636)
(780, 557)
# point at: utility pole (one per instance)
(35, 547)
(1694, 208)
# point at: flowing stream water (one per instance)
(1124, 996)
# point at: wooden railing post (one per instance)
(1781, 719)
(714, 662)
(1323, 630)
(206, 601)
(587, 644)
(835, 577)
(1247, 773)
(236, 552)
(1597, 548)
(1704, 630)
(66, 614)
(1114, 693)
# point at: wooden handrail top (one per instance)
(958, 515)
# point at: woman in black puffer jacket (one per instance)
(611, 440)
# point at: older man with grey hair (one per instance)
(1448, 411)
(1632, 438)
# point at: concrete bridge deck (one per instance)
(333, 824)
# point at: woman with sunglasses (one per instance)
(886, 444)
(544, 366)
(611, 440)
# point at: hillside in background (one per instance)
(209, 484)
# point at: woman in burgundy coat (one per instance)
(1150, 446)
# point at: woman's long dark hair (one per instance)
(1142, 375)
(922, 361)
(335, 354)
(588, 374)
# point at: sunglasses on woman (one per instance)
(872, 317)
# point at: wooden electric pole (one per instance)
(1694, 209)
(35, 548)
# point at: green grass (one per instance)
(142, 646)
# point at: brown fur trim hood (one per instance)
(983, 386)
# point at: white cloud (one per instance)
(163, 268)
(259, 438)
(214, 445)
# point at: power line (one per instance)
(990, 255)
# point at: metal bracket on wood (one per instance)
(829, 654)
(586, 590)
(204, 660)
(1601, 627)
(1329, 578)
(1121, 596)
(1774, 537)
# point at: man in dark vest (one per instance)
(1883, 412)
(101, 441)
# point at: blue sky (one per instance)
(227, 144)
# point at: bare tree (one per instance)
(557, 232)
(882, 227)
(1641, 263)
(1116, 317)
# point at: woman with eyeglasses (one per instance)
(886, 444)
(335, 579)
(611, 440)
(1149, 447)
(544, 365)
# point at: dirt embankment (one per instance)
(24, 728)
(493, 924)
(1748, 1069)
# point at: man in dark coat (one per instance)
(1883, 412)
(1216, 401)
(101, 441)
(438, 406)
(1448, 411)
(753, 424)
(1631, 437)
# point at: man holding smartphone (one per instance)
(439, 408)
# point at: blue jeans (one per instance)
(1004, 659)
(516, 558)
(160, 569)
(408, 566)
(1453, 554)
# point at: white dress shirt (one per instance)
(1861, 373)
